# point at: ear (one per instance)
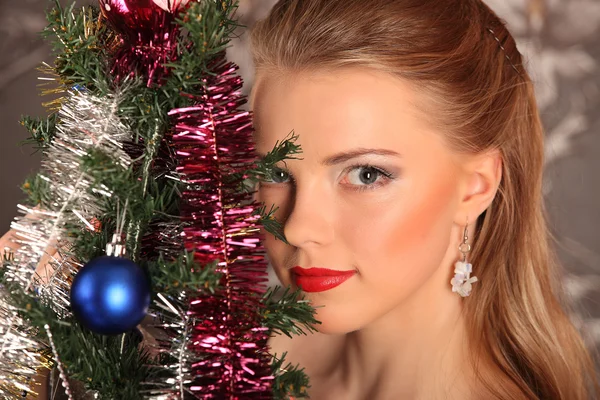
(480, 180)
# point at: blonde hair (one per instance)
(462, 57)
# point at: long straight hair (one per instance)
(461, 56)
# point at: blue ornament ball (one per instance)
(110, 295)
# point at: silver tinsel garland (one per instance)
(21, 354)
(43, 262)
(86, 123)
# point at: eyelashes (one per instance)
(357, 177)
(367, 177)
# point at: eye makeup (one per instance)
(369, 171)
(379, 175)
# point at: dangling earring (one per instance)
(461, 283)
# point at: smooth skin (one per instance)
(395, 215)
(395, 330)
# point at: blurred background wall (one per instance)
(558, 37)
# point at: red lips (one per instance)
(320, 279)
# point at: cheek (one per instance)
(404, 239)
(277, 251)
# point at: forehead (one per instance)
(345, 108)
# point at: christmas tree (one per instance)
(137, 268)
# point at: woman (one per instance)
(422, 155)
(415, 219)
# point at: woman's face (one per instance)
(374, 194)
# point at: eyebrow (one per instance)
(348, 155)
(342, 157)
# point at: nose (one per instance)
(310, 221)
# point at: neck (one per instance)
(416, 351)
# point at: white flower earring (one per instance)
(461, 283)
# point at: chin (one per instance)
(336, 322)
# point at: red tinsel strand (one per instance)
(213, 142)
(148, 37)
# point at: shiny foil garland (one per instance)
(86, 123)
(20, 354)
(147, 34)
(167, 335)
(213, 145)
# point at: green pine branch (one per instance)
(290, 380)
(206, 28)
(286, 313)
(270, 223)
(183, 273)
(80, 45)
(41, 130)
(35, 188)
(286, 149)
(115, 366)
